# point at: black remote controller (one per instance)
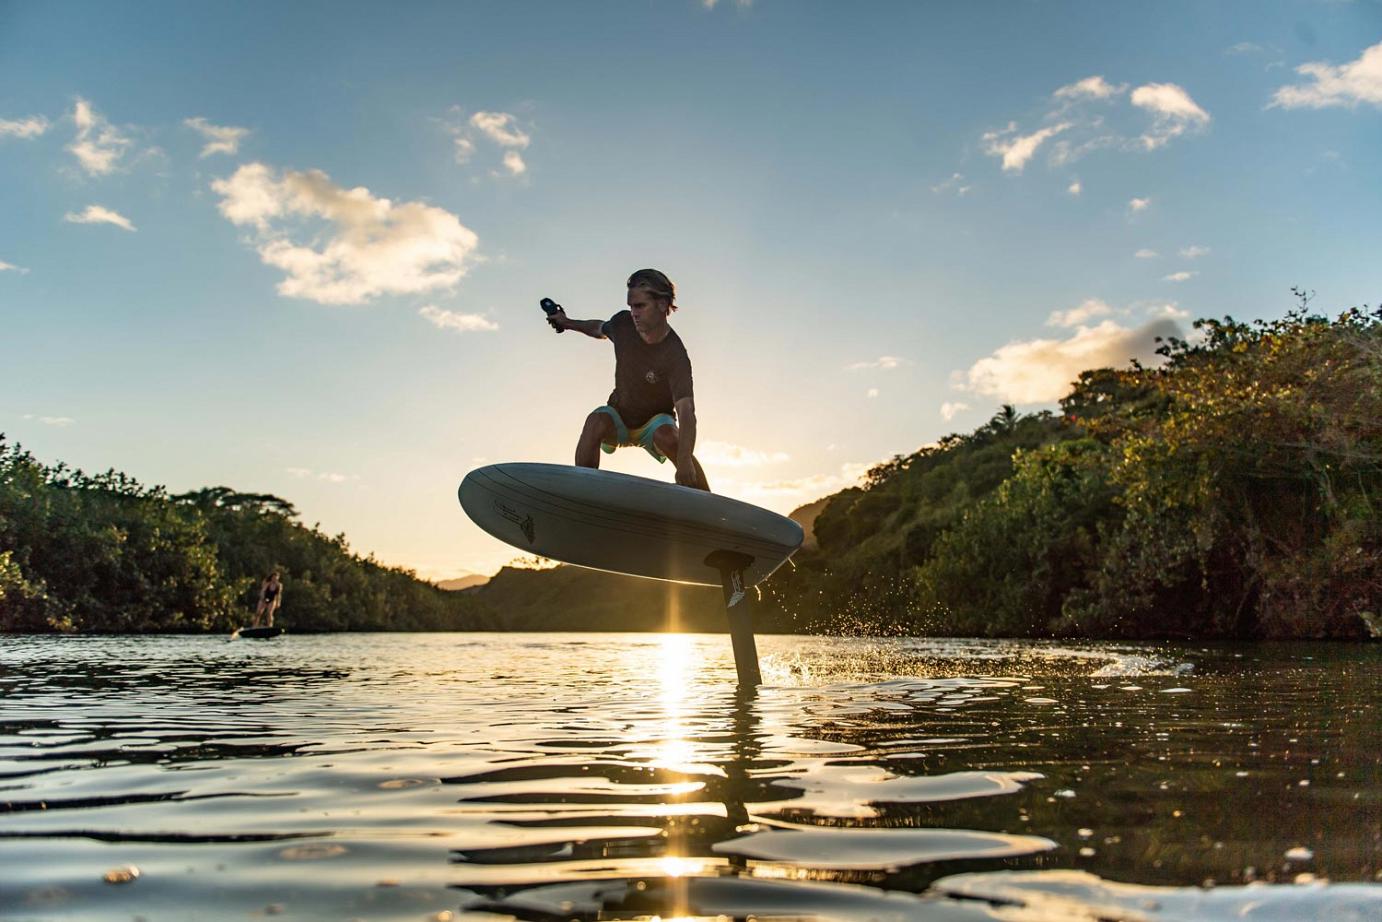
(551, 307)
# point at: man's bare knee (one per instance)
(665, 440)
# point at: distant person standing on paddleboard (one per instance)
(652, 405)
(270, 597)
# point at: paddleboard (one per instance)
(258, 633)
(625, 524)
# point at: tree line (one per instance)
(1229, 491)
(1232, 490)
(104, 553)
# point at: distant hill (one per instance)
(805, 516)
(469, 581)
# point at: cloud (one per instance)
(60, 422)
(464, 148)
(461, 323)
(1244, 48)
(96, 214)
(786, 495)
(871, 393)
(513, 162)
(949, 410)
(883, 362)
(11, 267)
(501, 128)
(1018, 149)
(1077, 316)
(1346, 85)
(1075, 188)
(1167, 311)
(1138, 204)
(1145, 253)
(1041, 370)
(1180, 276)
(98, 145)
(30, 127)
(724, 454)
(304, 473)
(1174, 111)
(955, 184)
(220, 139)
(1194, 252)
(371, 246)
(1095, 87)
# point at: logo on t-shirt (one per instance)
(650, 377)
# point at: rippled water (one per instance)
(561, 776)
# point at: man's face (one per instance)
(649, 311)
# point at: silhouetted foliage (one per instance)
(103, 553)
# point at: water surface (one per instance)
(561, 776)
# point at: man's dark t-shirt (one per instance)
(648, 378)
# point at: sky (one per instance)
(298, 248)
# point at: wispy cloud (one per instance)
(1095, 87)
(1075, 188)
(786, 495)
(11, 267)
(1139, 204)
(955, 185)
(949, 409)
(725, 454)
(1194, 252)
(306, 473)
(98, 145)
(502, 129)
(461, 323)
(1016, 149)
(1180, 276)
(60, 422)
(371, 246)
(1244, 48)
(220, 139)
(513, 162)
(1173, 110)
(97, 214)
(1167, 311)
(1041, 370)
(30, 127)
(1145, 253)
(883, 362)
(1076, 316)
(1347, 85)
(1095, 114)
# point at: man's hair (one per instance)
(656, 284)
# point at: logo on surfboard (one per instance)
(524, 522)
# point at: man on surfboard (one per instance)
(652, 405)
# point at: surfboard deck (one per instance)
(605, 520)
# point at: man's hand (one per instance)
(686, 475)
(558, 320)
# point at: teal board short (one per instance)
(642, 436)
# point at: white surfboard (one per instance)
(625, 524)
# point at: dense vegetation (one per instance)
(103, 553)
(1231, 491)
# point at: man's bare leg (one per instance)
(666, 439)
(598, 428)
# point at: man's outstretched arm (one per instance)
(593, 328)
